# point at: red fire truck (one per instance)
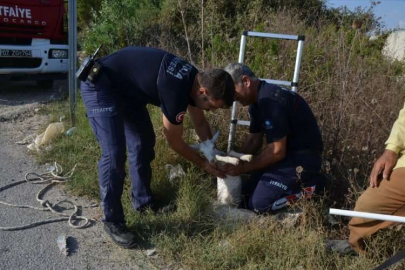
(33, 41)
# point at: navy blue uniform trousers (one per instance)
(281, 179)
(120, 122)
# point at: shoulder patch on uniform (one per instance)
(180, 117)
(268, 124)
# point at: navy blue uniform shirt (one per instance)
(280, 112)
(152, 76)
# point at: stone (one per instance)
(395, 46)
(340, 246)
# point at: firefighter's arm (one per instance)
(252, 144)
(175, 140)
(201, 125)
(271, 154)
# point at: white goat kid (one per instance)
(229, 189)
(207, 148)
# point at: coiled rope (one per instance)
(52, 177)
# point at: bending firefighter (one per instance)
(116, 101)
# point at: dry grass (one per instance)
(356, 96)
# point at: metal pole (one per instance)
(349, 213)
(72, 22)
(298, 64)
(242, 49)
(234, 107)
(271, 35)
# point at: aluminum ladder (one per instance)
(293, 83)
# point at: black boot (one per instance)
(120, 234)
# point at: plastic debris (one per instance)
(51, 132)
(62, 244)
(175, 171)
(224, 243)
(27, 140)
(71, 131)
(51, 168)
(150, 252)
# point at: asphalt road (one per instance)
(36, 248)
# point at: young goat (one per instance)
(229, 189)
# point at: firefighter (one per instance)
(116, 101)
(293, 141)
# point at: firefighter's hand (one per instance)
(213, 169)
(383, 165)
(233, 170)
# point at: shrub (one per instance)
(354, 92)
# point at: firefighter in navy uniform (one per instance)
(116, 101)
(292, 135)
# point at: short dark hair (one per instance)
(219, 84)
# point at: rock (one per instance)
(332, 220)
(340, 246)
(395, 46)
(289, 218)
(221, 212)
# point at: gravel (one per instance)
(36, 248)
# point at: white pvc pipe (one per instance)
(349, 213)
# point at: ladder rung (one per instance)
(287, 83)
(243, 123)
(270, 35)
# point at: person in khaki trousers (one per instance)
(386, 196)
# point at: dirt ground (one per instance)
(36, 248)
